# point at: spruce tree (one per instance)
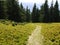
(56, 12)
(34, 13)
(37, 15)
(2, 15)
(27, 15)
(22, 13)
(46, 12)
(42, 13)
(51, 15)
(13, 10)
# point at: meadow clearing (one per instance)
(18, 33)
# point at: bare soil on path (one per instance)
(36, 38)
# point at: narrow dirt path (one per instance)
(36, 37)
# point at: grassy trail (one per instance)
(36, 37)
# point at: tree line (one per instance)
(11, 10)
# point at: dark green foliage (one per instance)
(2, 14)
(56, 12)
(22, 13)
(42, 13)
(13, 10)
(51, 14)
(46, 12)
(35, 14)
(27, 15)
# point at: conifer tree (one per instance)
(46, 12)
(56, 12)
(2, 15)
(51, 13)
(13, 10)
(42, 13)
(27, 15)
(22, 13)
(37, 15)
(34, 13)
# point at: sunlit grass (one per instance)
(15, 35)
(18, 33)
(51, 33)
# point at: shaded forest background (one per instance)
(11, 10)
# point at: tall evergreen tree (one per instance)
(46, 12)
(42, 13)
(2, 15)
(13, 10)
(27, 15)
(56, 12)
(37, 15)
(34, 13)
(22, 13)
(51, 14)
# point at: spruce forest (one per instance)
(12, 10)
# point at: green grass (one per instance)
(17, 34)
(51, 33)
